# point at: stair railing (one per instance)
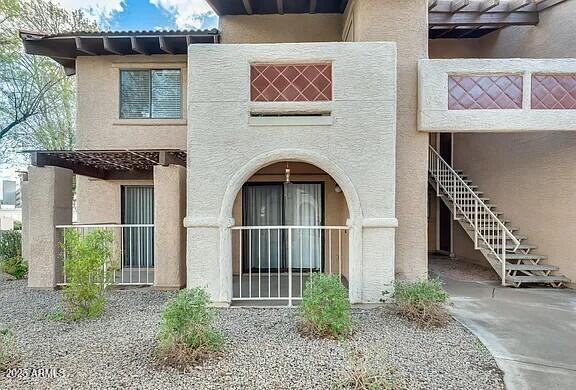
(488, 228)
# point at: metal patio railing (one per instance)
(132, 249)
(274, 262)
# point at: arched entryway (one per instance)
(290, 222)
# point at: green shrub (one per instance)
(187, 333)
(325, 308)
(10, 244)
(422, 302)
(88, 269)
(8, 356)
(11, 261)
(15, 266)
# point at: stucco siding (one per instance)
(98, 89)
(99, 201)
(404, 22)
(281, 28)
(357, 150)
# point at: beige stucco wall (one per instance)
(529, 176)
(281, 28)
(99, 201)
(49, 197)
(98, 89)
(169, 232)
(406, 23)
(435, 116)
(229, 148)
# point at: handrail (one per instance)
(477, 197)
(286, 227)
(104, 225)
(456, 180)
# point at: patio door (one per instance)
(282, 204)
(138, 241)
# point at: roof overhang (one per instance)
(109, 164)
(65, 48)
(266, 7)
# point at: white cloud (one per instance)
(187, 13)
(101, 10)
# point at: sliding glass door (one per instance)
(138, 209)
(282, 204)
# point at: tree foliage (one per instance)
(37, 107)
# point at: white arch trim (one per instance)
(265, 159)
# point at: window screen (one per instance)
(148, 93)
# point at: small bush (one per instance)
(11, 261)
(15, 266)
(187, 334)
(421, 302)
(88, 269)
(8, 356)
(325, 308)
(371, 373)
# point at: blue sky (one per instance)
(147, 14)
(142, 15)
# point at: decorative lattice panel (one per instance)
(291, 82)
(554, 92)
(484, 92)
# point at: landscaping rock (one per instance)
(263, 349)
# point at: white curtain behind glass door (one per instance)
(303, 207)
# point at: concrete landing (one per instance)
(530, 331)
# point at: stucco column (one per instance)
(25, 220)
(49, 203)
(406, 23)
(169, 231)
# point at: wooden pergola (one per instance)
(476, 18)
(109, 164)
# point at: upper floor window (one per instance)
(150, 93)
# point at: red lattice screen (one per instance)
(291, 82)
(484, 92)
(554, 92)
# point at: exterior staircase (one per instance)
(508, 252)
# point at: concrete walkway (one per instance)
(530, 331)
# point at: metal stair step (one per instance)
(510, 228)
(523, 256)
(531, 267)
(512, 246)
(517, 261)
(538, 279)
(519, 238)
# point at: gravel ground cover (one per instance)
(459, 269)
(263, 349)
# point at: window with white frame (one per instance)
(150, 94)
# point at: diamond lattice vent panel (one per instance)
(291, 82)
(484, 92)
(554, 92)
